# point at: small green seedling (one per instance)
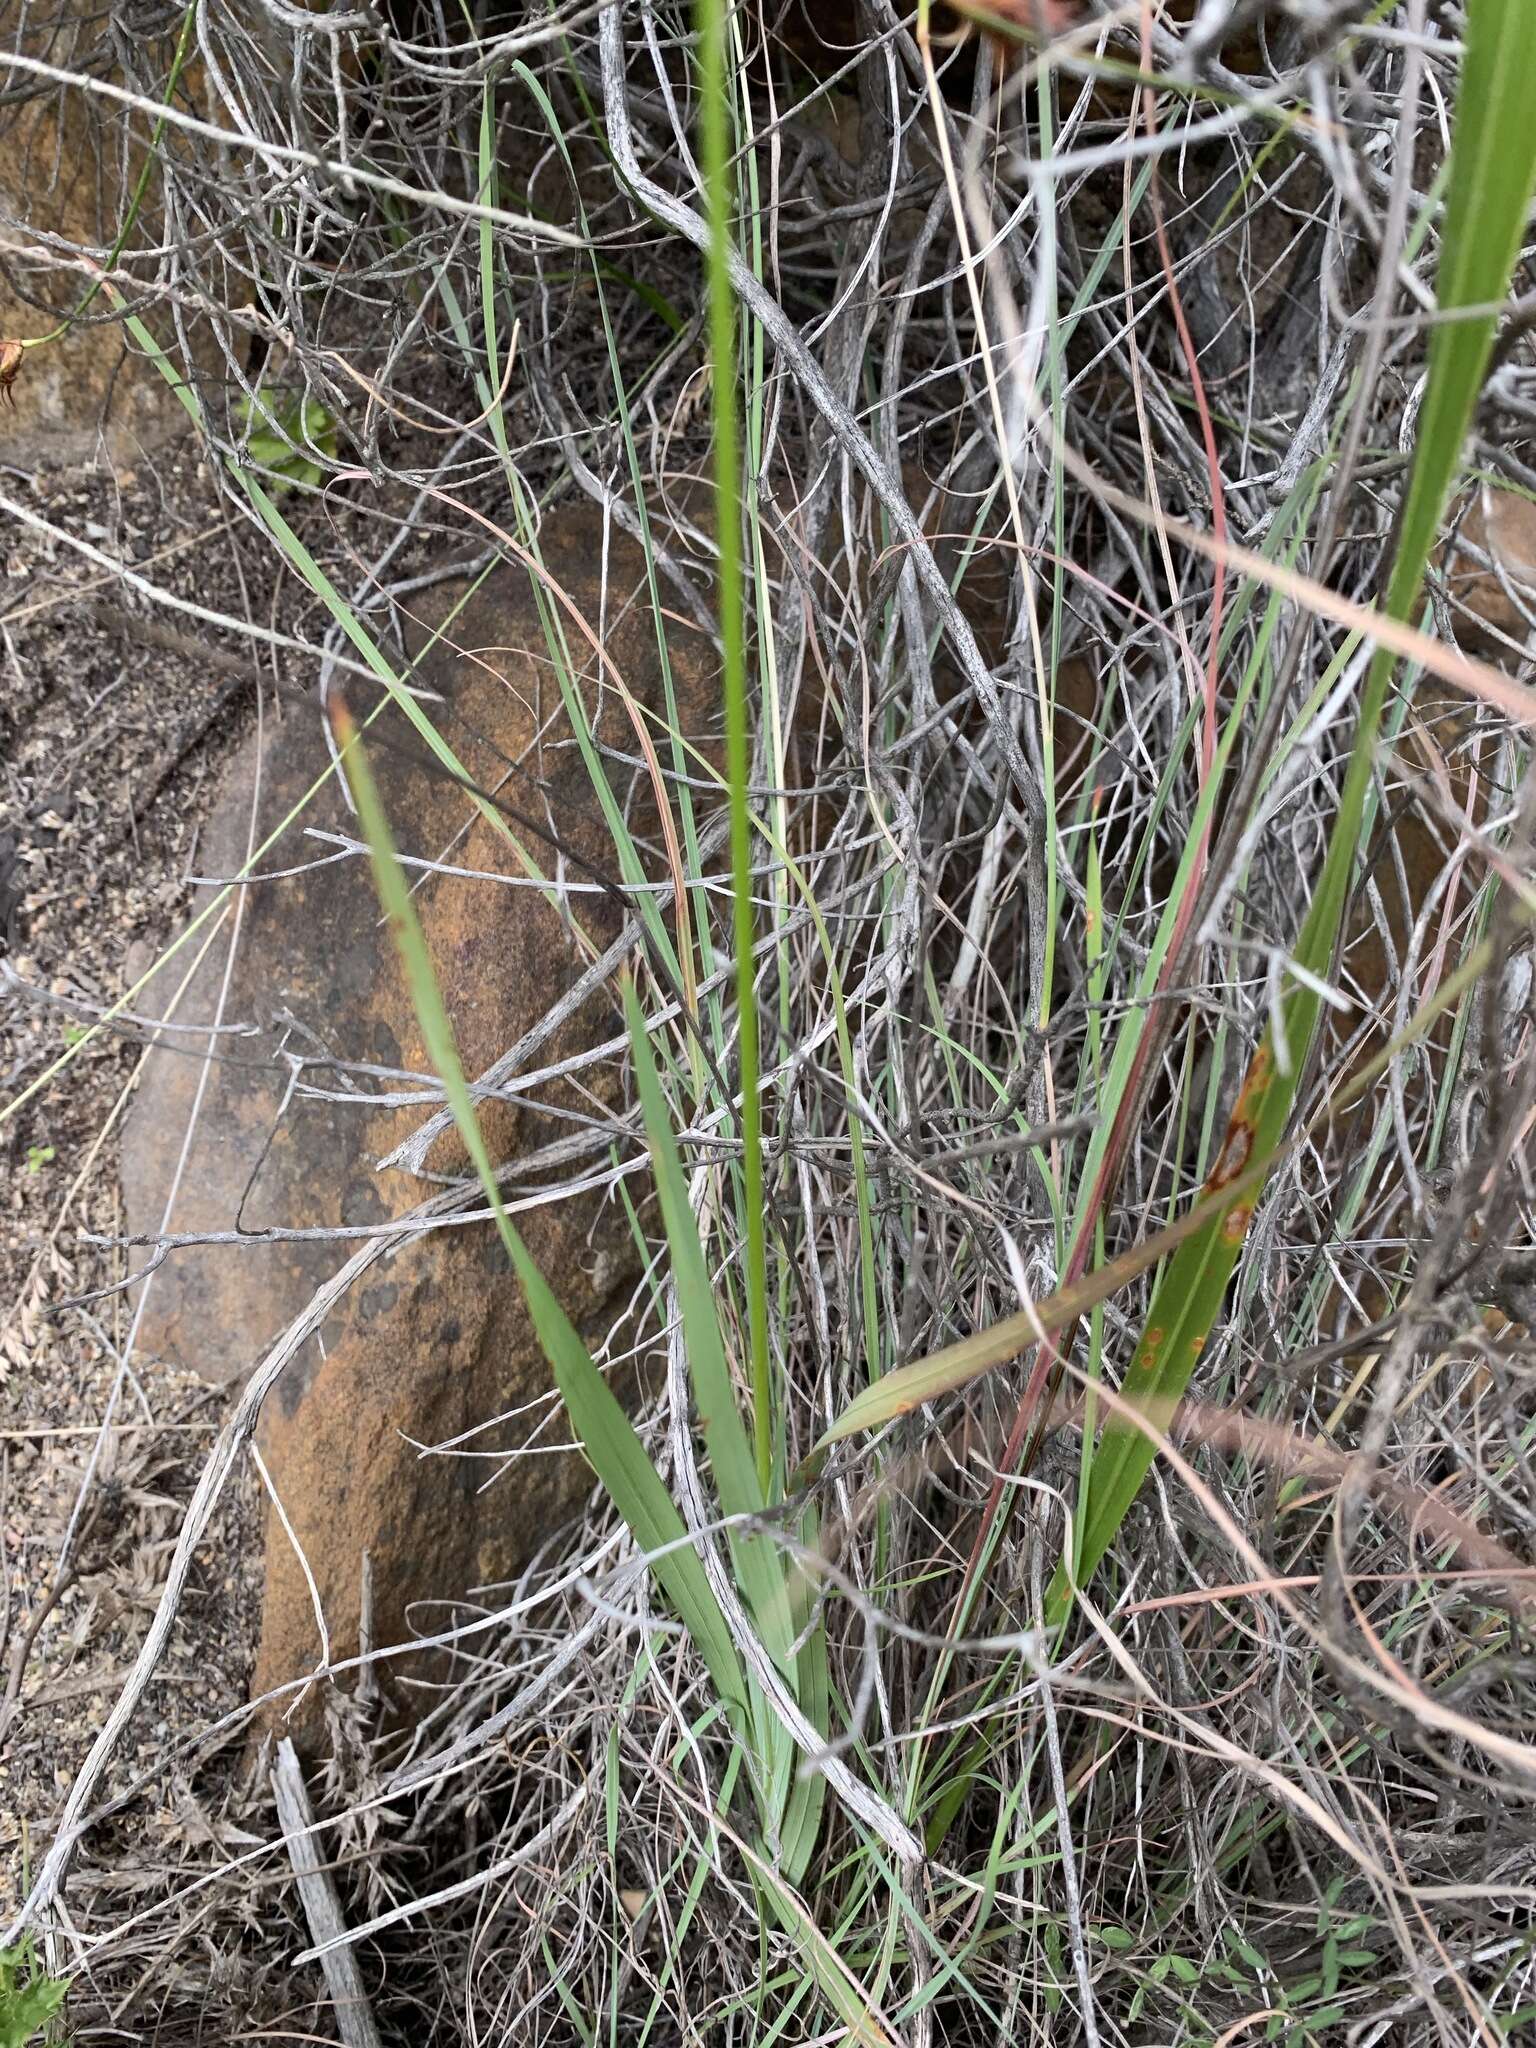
(29, 1997)
(39, 1156)
(279, 430)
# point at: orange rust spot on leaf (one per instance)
(1151, 1344)
(1235, 1229)
(1235, 1154)
(1237, 1146)
(1255, 1081)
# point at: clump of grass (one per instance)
(1004, 1036)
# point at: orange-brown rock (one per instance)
(435, 1342)
(66, 184)
(1489, 570)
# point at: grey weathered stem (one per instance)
(322, 1908)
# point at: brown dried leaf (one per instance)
(12, 354)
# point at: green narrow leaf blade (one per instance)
(724, 1433)
(756, 1560)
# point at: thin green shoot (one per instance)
(716, 165)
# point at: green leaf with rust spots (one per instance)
(1492, 178)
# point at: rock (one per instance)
(434, 1342)
(67, 177)
(1490, 570)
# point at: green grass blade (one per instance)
(606, 1432)
(489, 196)
(760, 1571)
(1491, 180)
(777, 1593)
(1492, 175)
(834, 1979)
(716, 164)
(800, 1828)
(730, 1451)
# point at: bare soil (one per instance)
(114, 716)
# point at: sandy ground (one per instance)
(114, 715)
